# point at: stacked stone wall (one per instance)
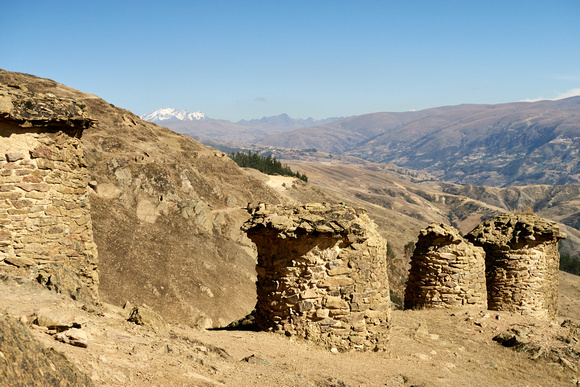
(522, 263)
(446, 271)
(322, 275)
(45, 222)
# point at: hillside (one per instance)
(166, 213)
(451, 348)
(496, 145)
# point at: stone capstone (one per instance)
(321, 275)
(447, 271)
(522, 263)
(28, 109)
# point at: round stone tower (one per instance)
(446, 271)
(522, 263)
(322, 275)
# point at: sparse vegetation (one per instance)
(409, 248)
(396, 300)
(570, 264)
(390, 252)
(266, 164)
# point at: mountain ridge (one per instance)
(499, 145)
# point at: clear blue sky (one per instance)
(247, 59)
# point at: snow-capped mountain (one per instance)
(169, 114)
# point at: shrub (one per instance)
(570, 264)
(390, 252)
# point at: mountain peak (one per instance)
(170, 114)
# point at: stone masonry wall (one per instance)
(446, 271)
(45, 223)
(322, 275)
(522, 262)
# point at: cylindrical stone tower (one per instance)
(522, 263)
(446, 271)
(322, 275)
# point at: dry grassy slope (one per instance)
(166, 213)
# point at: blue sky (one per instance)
(248, 59)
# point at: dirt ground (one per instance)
(426, 348)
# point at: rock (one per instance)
(74, 336)
(57, 321)
(25, 362)
(14, 156)
(143, 315)
(253, 359)
(334, 382)
(247, 323)
(20, 261)
(108, 191)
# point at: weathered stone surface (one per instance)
(45, 213)
(24, 362)
(522, 262)
(319, 267)
(446, 271)
(74, 336)
(40, 110)
(57, 321)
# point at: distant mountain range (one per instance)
(200, 127)
(496, 145)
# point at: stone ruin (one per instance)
(45, 222)
(522, 263)
(322, 275)
(446, 271)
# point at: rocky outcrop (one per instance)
(522, 263)
(321, 275)
(25, 362)
(44, 206)
(446, 271)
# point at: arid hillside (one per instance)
(166, 212)
(451, 348)
(401, 204)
